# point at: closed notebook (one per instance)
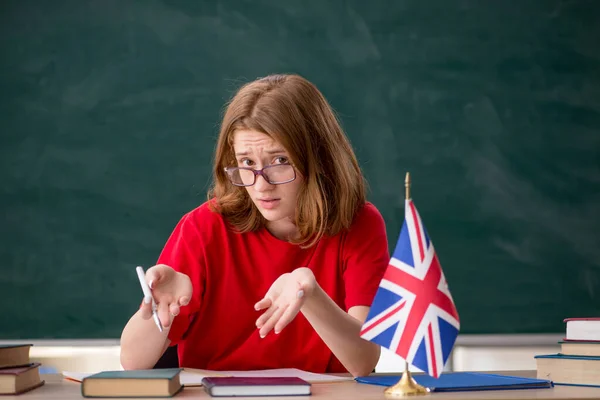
(463, 381)
(256, 386)
(20, 379)
(138, 383)
(14, 355)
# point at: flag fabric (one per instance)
(413, 313)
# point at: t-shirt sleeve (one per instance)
(366, 257)
(184, 252)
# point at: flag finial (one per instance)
(407, 185)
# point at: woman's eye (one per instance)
(246, 162)
(281, 160)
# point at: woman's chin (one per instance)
(271, 215)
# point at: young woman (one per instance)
(278, 268)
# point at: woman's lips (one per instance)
(268, 203)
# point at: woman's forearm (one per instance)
(341, 333)
(142, 344)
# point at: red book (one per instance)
(20, 379)
(585, 329)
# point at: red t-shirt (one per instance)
(230, 272)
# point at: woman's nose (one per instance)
(262, 184)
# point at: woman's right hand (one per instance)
(170, 289)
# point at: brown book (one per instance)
(20, 379)
(137, 383)
(580, 348)
(14, 355)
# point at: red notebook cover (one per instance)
(582, 319)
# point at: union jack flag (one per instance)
(413, 313)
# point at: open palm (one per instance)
(284, 299)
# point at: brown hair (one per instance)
(293, 112)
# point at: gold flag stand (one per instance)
(406, 386)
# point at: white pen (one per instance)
(148, 296)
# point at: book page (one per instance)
(188, 377)
(76, 376)
(289, 372)
(193, 376)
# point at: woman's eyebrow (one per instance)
(275, 151)
(271, 151)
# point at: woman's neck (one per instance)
(284, 229)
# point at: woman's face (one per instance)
(276, 202)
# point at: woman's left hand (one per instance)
(284, 299)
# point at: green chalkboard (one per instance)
(109, 112)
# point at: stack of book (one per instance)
(578, 362)
(17, 373)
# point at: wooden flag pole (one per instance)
(406, 386)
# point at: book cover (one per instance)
(137, 383)
(582, 319)
(565, 369)
(463, 381)
(14, 355)
(581, 329)
(17, 380)
(20, 370)
(569, 357)
(256, 386)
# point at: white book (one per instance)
(583, 329)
